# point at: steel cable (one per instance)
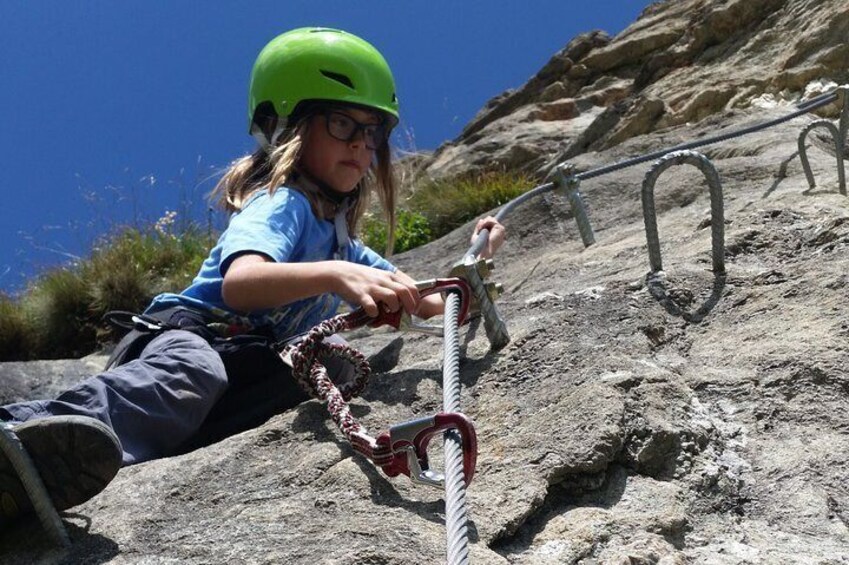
(456, 515)
(455, 506)
(803, 108)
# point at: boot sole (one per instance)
(75, 456)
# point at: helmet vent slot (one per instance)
(339, 78)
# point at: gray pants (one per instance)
(182, 393)
(154, 403)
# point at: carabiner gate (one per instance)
(408, 444)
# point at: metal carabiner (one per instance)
(408, 444)
(412, 324)
(401, 320)
(433, 286)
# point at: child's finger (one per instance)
(410, 299)
(478, 227)
(388, 297)
(486, 223)
(407, 295)
(407, 291)
(369, 305)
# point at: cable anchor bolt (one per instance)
(569, 183)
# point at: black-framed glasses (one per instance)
(345, 128)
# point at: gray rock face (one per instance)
(686, 418)
(23, 381)
(679, 63)
(611, 429)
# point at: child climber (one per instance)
(200, 364)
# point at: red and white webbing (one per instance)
(311, 374)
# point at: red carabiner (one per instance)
(408, 444)
(401, 318)
(433, 286)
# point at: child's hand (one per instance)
(369, 287)
(497, 235)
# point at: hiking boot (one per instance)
(75, 456)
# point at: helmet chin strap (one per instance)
(262, 138)
(343, 202)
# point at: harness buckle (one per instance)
(132, 321)
(408, 444)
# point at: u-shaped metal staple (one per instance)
(838, 145)
(716, 206)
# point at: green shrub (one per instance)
(411, 230)
(58, 304)
(438, 207)
(61, 313)
(126, 271)
(448, 204)
(17, 332)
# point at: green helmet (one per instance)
(310, 64)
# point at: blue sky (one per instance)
(114, 112)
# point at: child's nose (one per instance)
(359, 137)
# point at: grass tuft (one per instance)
(448, 204)
(61, 313)
(412, 230)
(17, 337)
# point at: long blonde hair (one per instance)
(273, 167)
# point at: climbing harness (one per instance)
(403, 448)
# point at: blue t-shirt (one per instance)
(284, 228)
